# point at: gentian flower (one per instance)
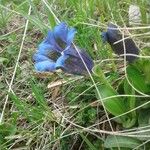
(57, 52)
(113, 35)
(71, 61)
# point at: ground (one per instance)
(62, 111)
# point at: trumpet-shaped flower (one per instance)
(114, 37)
(57, 51)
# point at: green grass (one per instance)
(72, 115)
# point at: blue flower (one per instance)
(71, 61)
(113, 35)
(57, 52)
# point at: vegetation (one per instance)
(108, 109)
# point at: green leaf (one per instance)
(41, 101)
(144, 117)
(130, 103)
(121, 141)
(137, 79)
(98, 72)
(37, 114)
(38, 94)
(91, 146)
(7, 129)
(146, 70)
(144, 120)
(114, 105)
(2, 60)
(22, 106)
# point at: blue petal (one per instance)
(73, 52)
(45, 66)
(50, 41)
(44, 48)
(64, 35)
(70, 35)
(61, 31)
(48, 51)
(49, 38)
(60, 63)
(38, 57)
(72, 65)
(113, 33)
(104, 37)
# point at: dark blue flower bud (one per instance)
(114, 37)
